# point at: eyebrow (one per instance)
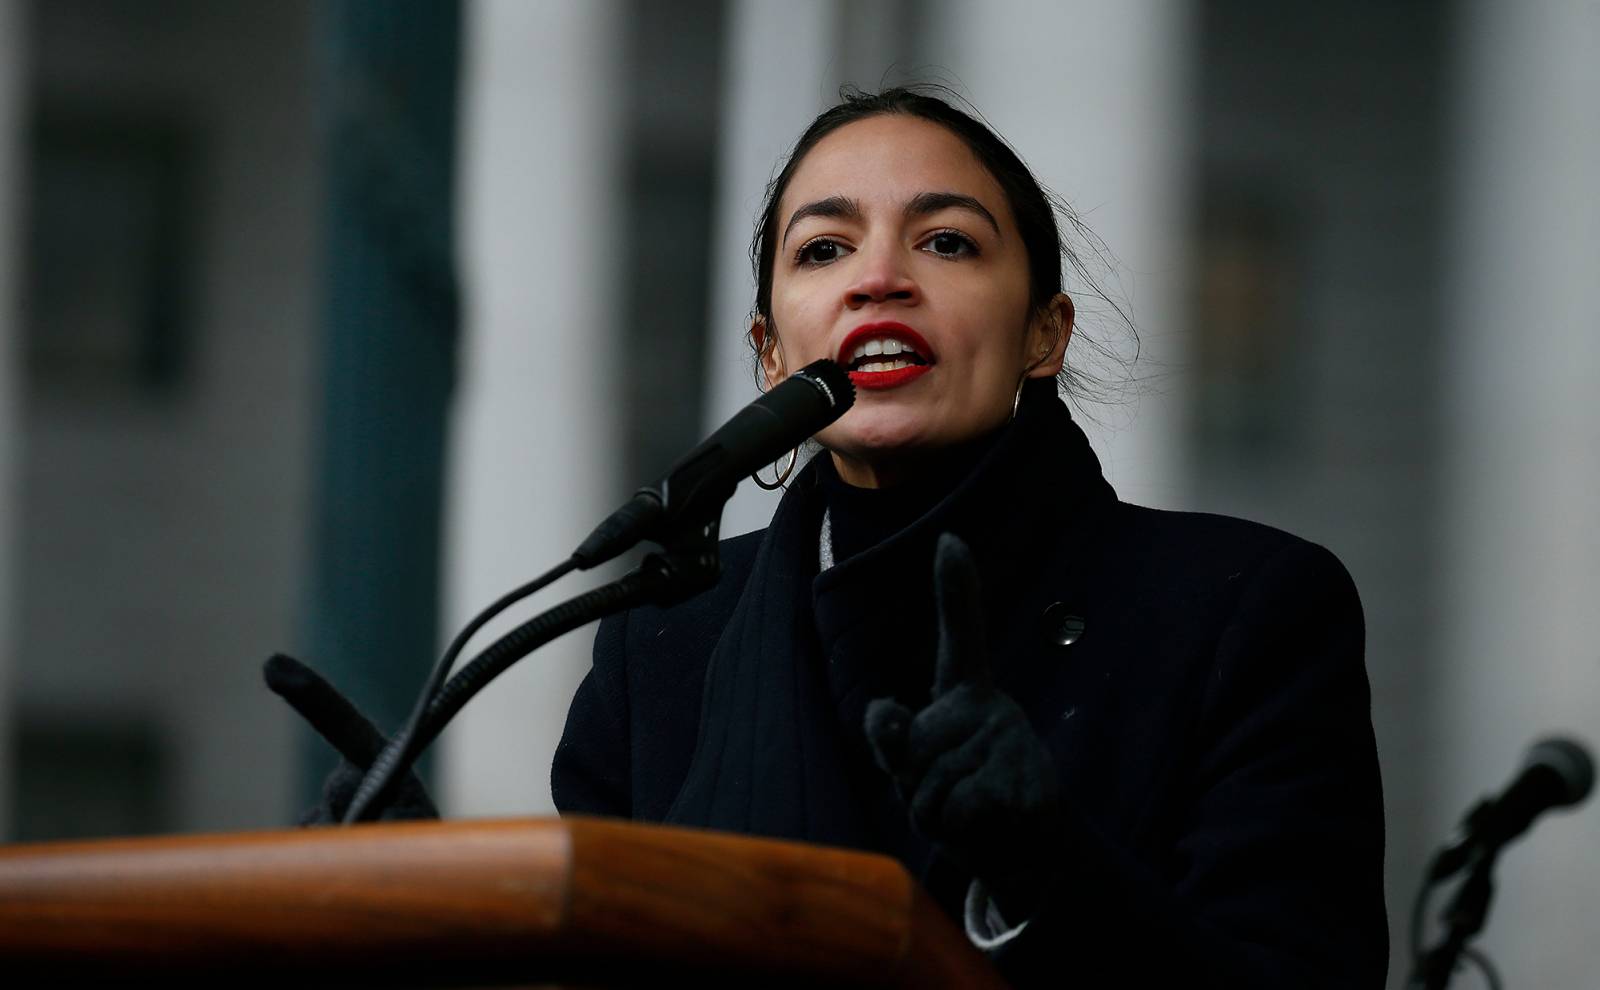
(927, 203)
(921, 205)
(838, 207)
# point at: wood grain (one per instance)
(576, 901)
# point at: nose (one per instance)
(882, 275)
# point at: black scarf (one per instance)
(780, 750)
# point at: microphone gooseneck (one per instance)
(680, 512)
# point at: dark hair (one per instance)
(1034, 209)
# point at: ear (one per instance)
(1048, 336)
(767, 351)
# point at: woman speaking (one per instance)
(1119, 745)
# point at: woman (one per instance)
(1118, 744)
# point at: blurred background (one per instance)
(324, 323)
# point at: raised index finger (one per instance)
(961, 658)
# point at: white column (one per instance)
(534, 435)
(779, 76)
(12, 82)
(1519, 615)
(1093, 96)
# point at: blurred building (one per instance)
(1358, 241)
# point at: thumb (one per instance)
(888, 725)
(961, 658)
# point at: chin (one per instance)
(878, 436)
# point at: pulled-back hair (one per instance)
(1034, 209)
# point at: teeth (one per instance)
(886, 347)
(881, 345)
(875, 367)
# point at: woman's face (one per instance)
(897, 255)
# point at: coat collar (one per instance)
(780, 750)
(874, 612)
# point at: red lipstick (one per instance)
(887, 379)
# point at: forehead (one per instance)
(887, 160)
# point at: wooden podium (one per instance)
(578, 902)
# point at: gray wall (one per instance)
(12, 80)
(162, 528)
(1321, 171)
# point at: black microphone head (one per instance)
(832, 381)
(1569, 761)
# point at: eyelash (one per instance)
(804, 249)
(969, 245)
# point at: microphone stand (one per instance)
(681, 570)
(687, 564)
(1463, 918)
(681, 513)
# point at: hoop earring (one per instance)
(782, 476)
(1016, 403)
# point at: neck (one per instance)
(859, 473)
(933, 466)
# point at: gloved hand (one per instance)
(973, 773)
(356, 739)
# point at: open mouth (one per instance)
(883, 355)
(877, 356)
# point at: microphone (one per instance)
(1557, 772)
(692, 492)
(682, 508)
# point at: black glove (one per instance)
(975, 776)
(338, 721)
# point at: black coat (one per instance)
(1210, 723)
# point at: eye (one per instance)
(820, 251)
(951, 244)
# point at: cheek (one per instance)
(801, 327)
(995, 338)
